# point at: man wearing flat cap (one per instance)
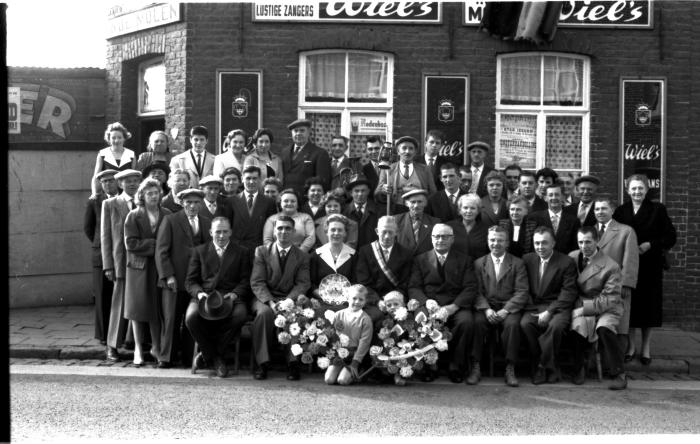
(102, 287)
(218, 280)
(405, 174)
(414, 227)
(196, 159)
(178, 235)
(587, 188)
(213, 204)
(478, 151)
(114, 211)
(303, 159)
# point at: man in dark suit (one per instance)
(405, 174)
(362, 210)
(101, 287)
(443, 204)
(527, 187)
(371, 169)
(218, 280)
(587, 187)
(383, 266)
(313, 191)
(414, 227)
(512, 174)
(280, 271)
(340, 161)
(563, 223)
(502, 295)
(114, 211)
(447, 277)
(304, 159)
(431, 155)
(213, 202)
(178, 235)
(249, 210)
(552, 282)
(478, 151)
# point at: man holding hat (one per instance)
(414, 227)
(213, 201)
(405, 174)
(303, 159)
(178, 235)
(478, 151)
(587, 187)
(197, 158)
(102, 287)
(218, 279)
(114, 211)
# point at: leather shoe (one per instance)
(554, 376)
(629, 358)
(220, 367)
(293, 372)
(511, 380)
(164, 364)
(580, 376)
(645, 360)
(129, 346)
(199, 362)
(113, 355)
(540, 376)
(261, 372)
(619, 383)
(475, 375)
(455, 376)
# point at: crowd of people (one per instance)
(188, 248)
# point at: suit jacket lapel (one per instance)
(548, 274)
(591, 270)
(213, 262)
(184, 225)
(506, 266)
(611, 232)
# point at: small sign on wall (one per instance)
(445, 101)
(14, 102)
(239, 102)
(643, 133)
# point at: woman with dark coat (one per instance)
(655, 234)
(141, 294)
(471, 232)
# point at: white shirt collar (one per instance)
(494, 257)
(324, 252)
(552, 213)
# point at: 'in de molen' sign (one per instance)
(585, 13)
(642, 138)
(373, 11)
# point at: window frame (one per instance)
(543, 111)
(159, 60)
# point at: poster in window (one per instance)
(14, 104)
(445, 109)
(517, 141)
(643, 132)
(239, 103)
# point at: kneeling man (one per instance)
(218, 280)
(599, 307)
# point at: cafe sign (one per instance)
(131, 16)
(586, 13)
(349, 12)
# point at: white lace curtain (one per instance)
(325, 77)
(521, 78)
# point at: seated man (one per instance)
(383, 266)
(447, 276)
(599, 307)
(280, 271)
(502, 295)
(218, 280)
(552, 279)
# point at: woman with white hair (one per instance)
(471, 232)
(180, 179)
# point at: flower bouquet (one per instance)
(410, 338)
(331, 343)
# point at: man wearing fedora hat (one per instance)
(404, 174)
(102, 287)
(415, 226)
(114, 211)
(178, 235)
(478, 151)
(196, 159)
(303, 159)
(218, 280)
(213, 203)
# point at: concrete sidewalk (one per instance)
(67, 333)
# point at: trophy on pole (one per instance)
(386, 155)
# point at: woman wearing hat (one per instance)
(270, 164)
(471, 232)
(141, 294)
(333, 204)
(115, 156)
(334, 257)
(655, 234)
(160, 172)
(233, 152)
(158, 150)
(304, 235)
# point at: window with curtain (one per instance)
(542, 111)
(152, 87)
(343, 87)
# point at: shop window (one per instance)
(151, 88)
(543, 111)
(348, 93)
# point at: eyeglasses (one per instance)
(442, 236)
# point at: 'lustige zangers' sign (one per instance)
(373, 11)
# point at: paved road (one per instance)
(85, 401)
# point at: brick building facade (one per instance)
(220, 36)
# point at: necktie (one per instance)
(441, 259)
(453, 199)
(199, 164)
(405, 171)
(283, 258)
(586, 261)
(250, 202)
(497, 263)
(431, 162)
(212, 207)
(416, 228)
(220, 252)
(335, 164)
(385, 252)
(543, 266)
(555, 222)
(476, 173)
(194, 225)
(359, 211)
(582, 212)
(601, 232)
(131, 204)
